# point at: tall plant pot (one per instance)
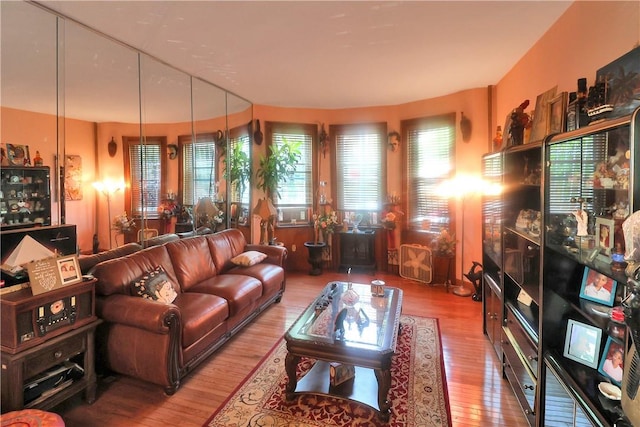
(315, 257)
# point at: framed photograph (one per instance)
(541, 115)
(582, 343)
(53, 273)
(597, 287)
(557, 114)
(612, 363)
(604, 235)
(18, 155)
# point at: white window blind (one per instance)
(199, 170)
(430, 160)
(146, 178)
(360, 166)
(297, 192)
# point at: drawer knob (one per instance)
(532, 358)
(529, 387)
(57, 354)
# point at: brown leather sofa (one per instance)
(161, 343)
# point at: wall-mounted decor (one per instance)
(72, 177)
(172, 151)
(18, 155)
(622, 78)
(112, 147)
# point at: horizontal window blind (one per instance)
(199, 166)
(430, 145)
(146, 175)
(360, 164)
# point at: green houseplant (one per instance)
(278, 166)
(238, 169)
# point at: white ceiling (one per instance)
(328, 54)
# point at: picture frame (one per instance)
(604, 235)
(598, 287)
(541, 115)
(612, 361)
(582, 343)
(18, 155)
(557, 110)
(53, 273)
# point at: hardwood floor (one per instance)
(478, 394)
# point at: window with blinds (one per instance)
(145, 167)
(571, 168)
(360, 166)
(199, 169)
(297, 193)
(244, 141)
(429, 161)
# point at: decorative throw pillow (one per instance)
(155, 285)
(249, 258)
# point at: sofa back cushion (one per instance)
(116, 276)
(191, 259)
(87, 262)
(225, 245)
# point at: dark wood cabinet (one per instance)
(357, 250)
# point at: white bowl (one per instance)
(610, 391)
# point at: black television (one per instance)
(59, 239)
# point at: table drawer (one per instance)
(523, 384)
(52, 355)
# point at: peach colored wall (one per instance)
(588, 36)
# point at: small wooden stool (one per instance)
(31, 418)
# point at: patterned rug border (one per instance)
(279, 342)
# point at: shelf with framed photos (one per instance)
(25, 197)
(588, 193)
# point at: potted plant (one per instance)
(277, 167)
(238, 169)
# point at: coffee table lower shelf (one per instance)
(362, 388)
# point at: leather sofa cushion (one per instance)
(225, 245)
(160, 240)
(200, 313)
(116, 276)
(191, 261)
(271, 276)
(241, 292)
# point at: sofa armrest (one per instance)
(275, 254)
(138, 312)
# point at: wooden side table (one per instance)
(20, 367)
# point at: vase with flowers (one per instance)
(123, 224)
(445, 244)
(325, 223)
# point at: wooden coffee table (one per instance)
(371, 328)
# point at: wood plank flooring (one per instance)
(478, 394)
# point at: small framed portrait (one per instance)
(69, 270)
(582, 343)
(612, 363)
(604, 235)
(598, 287)
(557, 114)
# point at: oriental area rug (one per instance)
(418, 393)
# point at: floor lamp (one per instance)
(108, 188)
(460, 187)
